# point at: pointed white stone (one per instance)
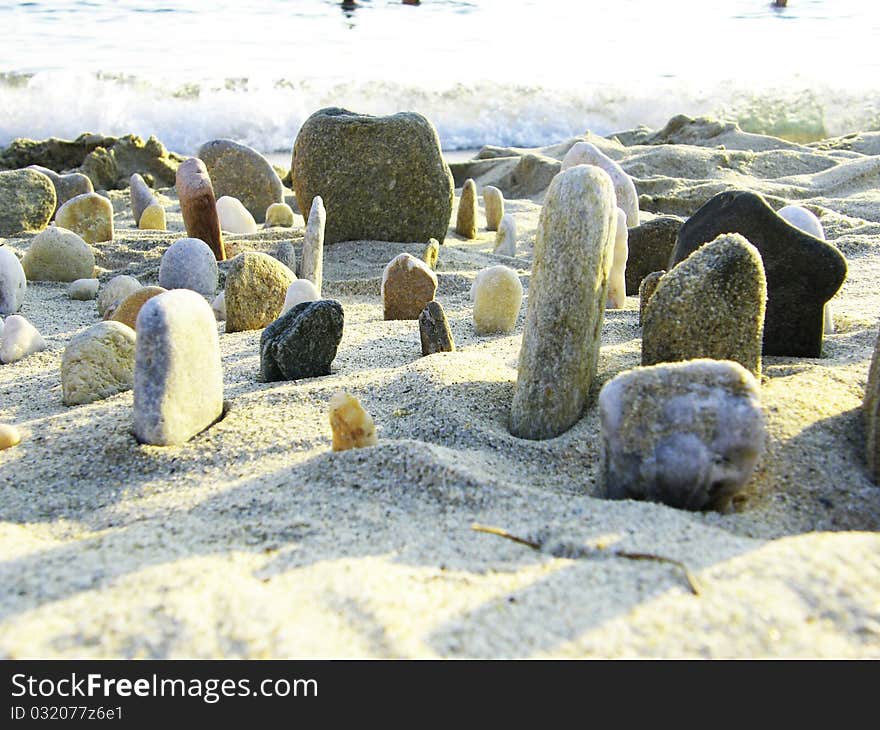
(312, 266)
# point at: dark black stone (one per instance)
(302, 342)
(650, 246)
(434, 330)
(803, 272)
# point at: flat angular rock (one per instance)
(617, 277)
(803, 272)
(303, 342)
(650, 245)
(686, 434)
(111, 294)
(88, 215)
(130, 307)
(13, 282)
(98, 363)
(574, 248)
(407, 286)
(585, 153)
(57, 254)
(66, 186)
(497, 296)
(505, 238)
(241, 172)
(466, 218)
(279, 215)
(178, 378)
(20, 339)
(83, 289)
(434, 330)
(234, 217)
(256, 285)
(199, 206)
(27, 201)
(351, 425)
(312, 267)
(381, 178)
(189, 263)
(646, 291)
(302, 290)
(493, 203)
(711, 305)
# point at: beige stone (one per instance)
(256, 286)
(407, 286)
(497, 296)
(466, 220)
(9, 436)
(128, 309)
(88, 215)
(493, 203)
(57, 254)
(352, 426)
(280, 215)
(98, 363)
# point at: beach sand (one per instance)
(254, 539)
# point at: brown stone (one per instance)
(407, 287)
(199, 206)
(127, 311)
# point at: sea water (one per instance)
(505, 72)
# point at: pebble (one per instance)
(585, 153)
(198, 205)
(434, 330)
(219, 307)
(13, 282)
(178, 377)
(57, 254)
(688, 435)
(574, 247)
(98, 363)
(407, 286)
(83, 289)
(646, 291)
(302, 342)
(711, 305)
(803, 272)
(256, 286)
(128, 309)
(497, 296)
(351, 425)
(279, 215)
(466, 220)
(88, 215)
(650, 245)
(234, 217)
(153, 218)
(493, 202)
(113, 292)
(302, 290)
(66, 186)
(9, 436)
(189, 263)
(617, 277)
(312, 266)
(505, 238)
(20, 339)
(432, 253)
(27, 201)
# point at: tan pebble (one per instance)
(10, 436)
(128, 309)
(153, 218)
(352, 426)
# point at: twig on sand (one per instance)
(693, 583)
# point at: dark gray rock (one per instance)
(302, 342)
(650, 246)
(434, 330)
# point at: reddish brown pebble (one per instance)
(198, 205)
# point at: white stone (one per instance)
(98, 363)
(178, 378)
(493, 202)
(302, 290)
(497, 296)
(584, 153)
(219, 306)
(505, 238)
(189, 263)
(83, 289)
(20, 339)
(234, 217)
(312, 266)
(13, 282)
(112, 294)
(279, 214)
(617, 277)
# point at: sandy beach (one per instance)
(255, 540)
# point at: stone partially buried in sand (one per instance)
(98, 363)
(83, 289)
(303, 342)
(466, 218)
(574, 247)
(649, 247)
(407, 286)
(505, 238)
(351, 425)
(586, 153)
(88, 215)
(493, 203)
(302, 290)
(279, 215)
(709, 306)
(57, 254)
(148, 213)
(434, 330)
(199, 206)
(189, 263)
(128, 309)
(381, 178)
(111, 294)
(20, 339)
(685, 434)
(256, 286)
(9, 436)
(646, 291)
(178, 378)
(803, 272)
(431, 254)
(617, 277)
(27, 201)
(13, 282)
(497, 296)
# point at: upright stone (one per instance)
(66, 186)
(312, 267)
(466, 220)
(505, 238)
(381, 178)
(585, 153)
(434, 330)
(650, 246)
(617, 278)
(493, 202)
(574, 247)
(686, 434)
(711, 305)
(140, 195)
(130, 307)
(88, 215)
(407, 286)
(199, 206)
(432, 253)
(27, 201)
(153, 218)
(286, 254)
(497, 296)
(646, 291)
(13, 282)
(803, 272)
(178, 378)
(256, 285)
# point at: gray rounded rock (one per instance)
(189, 263)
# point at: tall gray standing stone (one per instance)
(574, 247)
(141, 196)
(381, 178)
(312, 267)
(27, 201)
(178, 378)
